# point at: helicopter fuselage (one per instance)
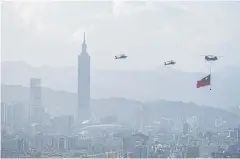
(120, 57)
(170, 63)
(210, 58)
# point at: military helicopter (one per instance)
(211, 57)
(121, 56)
(169, 63)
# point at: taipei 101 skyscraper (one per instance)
(83, 112)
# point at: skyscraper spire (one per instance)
(84, 41)
(84, 45)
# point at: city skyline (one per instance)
(145, 31)
(67, 92)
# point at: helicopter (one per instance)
(121, 56)
(169, 63)
(211, 57)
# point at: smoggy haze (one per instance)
(148, 32)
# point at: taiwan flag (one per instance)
(206, 81)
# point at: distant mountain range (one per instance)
(64, 103)
(142, 85)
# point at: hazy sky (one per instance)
(50, 33)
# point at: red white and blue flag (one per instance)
(206, 81)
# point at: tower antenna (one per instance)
(84, 37)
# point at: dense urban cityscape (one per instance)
(34, 133)
(120, 79)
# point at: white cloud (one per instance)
(126, 8)
(26, 15)
(118, 7)
(78, 34)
